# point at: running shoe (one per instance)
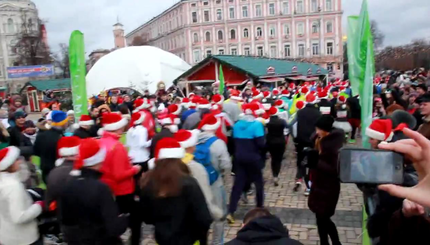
(230, 219)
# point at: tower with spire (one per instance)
(118, 33)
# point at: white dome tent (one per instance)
(138, 68)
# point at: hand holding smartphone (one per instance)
(368, 166)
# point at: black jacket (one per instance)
(88, 212)
(164, 133)
(56, 181)
(114, 107)
(354, 107)
(306, 120)
(18, 139)
(326, 103)
(263, 230)
(45, 147)
(275, 131)
(82, 133)
(180, 220)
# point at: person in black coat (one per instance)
(261, 227)
(45, 145)
(15, 132)
(177, 207)
(325, 190)
(354, 118)
(88, 211)
(275, 142)
(113, 105)
(306, 119)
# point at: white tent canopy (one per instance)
(138, 68)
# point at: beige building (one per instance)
(309, 30)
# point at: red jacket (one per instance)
(117, 170)
(148, 123)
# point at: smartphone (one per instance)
(368, 166)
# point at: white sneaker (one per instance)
(307, 191)
(276, 181)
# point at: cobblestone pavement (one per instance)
(291, 208)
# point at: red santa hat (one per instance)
(168, 148)
(250, 109)
(380, 129)
(256, 94)
(8, 156)
(187, 138)
(300, 104)
(217, 99)
(235, 94)
(68, 146)
(304, 90)
(275, 93)
(341, 99)
(194, 101)
(323, 94)
(113, 121)
(86, 120)
(174, 109)
(266, 94)
(90, 154)
(291, 86)
(209, 123)
(137, 118)
(185, 102)
(285, 93)
(273, 111)
(138, 104)
(279, 103)
(204, 104)
(169, 119)
(311, 98)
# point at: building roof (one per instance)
(54, 84)
(258, 67)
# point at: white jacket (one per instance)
(18, 225)
(138, 144)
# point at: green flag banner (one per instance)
(362, 64)
(77, 73)
(221, 81)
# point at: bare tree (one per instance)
(30, 48)
(61, 60)
(138, 41)
(378, 35)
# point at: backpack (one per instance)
(202, 155)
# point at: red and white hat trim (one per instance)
(68, 151)
(192, 140)
(204, 105)
(86, 121)
(210, 127)
(115, 126)
(140, 120)
(165, 153)
(11, 156)
(165, 121)
(378, 135)
(97, 158)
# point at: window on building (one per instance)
(194, 16)
(315, 28)
(330, 67)
(219, 14)
(244, 11)
(233, 51)
(328, 5)
(221, 51)
(300, 28)
(259, 32)
(260, 51)
(272, 31)
(287, 50)
(220, 35)
(329, 27)
(195, 38)
(247, 51)
(329, 48)
(245, 33)
(207, 15)
(314, 5)
(10, 26)
(231, 1)
(231, 12)
(271, 9)
(193, 5)
(273, 52)
(301, 50)
(196, 56)
(207, 36)
(205, 3)
(233, 34)
(285, 7)
(218, 1)
(258, 11)
(208, 52)
(300, 7)
(286, 29)
(315, 49)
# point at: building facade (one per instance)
(15, 16)
(305, 30)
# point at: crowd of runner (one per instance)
(170, 170)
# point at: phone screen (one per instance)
(372, 166)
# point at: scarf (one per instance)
(31, 137)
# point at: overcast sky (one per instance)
(400, 20)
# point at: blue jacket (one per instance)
(248, 137)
